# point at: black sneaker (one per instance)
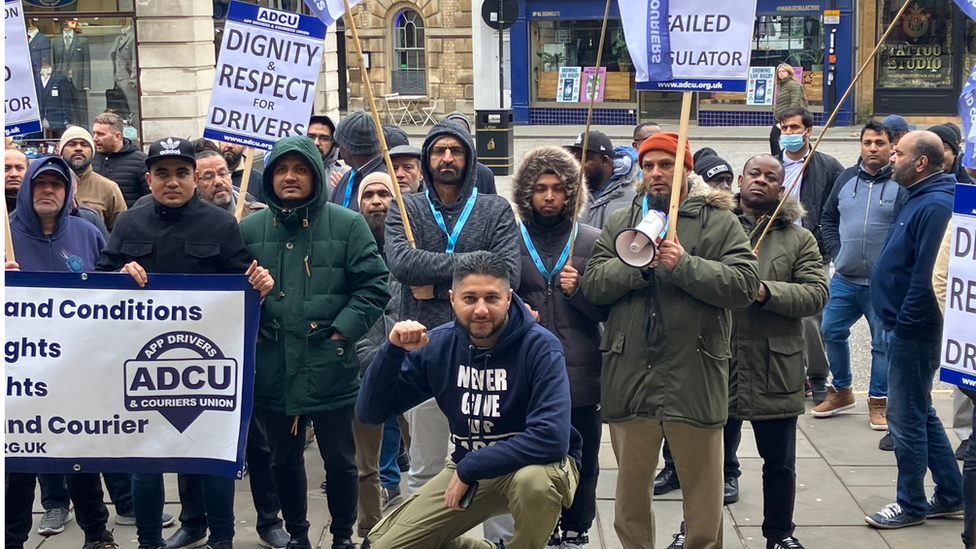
(679, 541)
(343, 543)
(389, 497)
(555, 540)
(296, 544)
(574, 540)
(183, 538)
(222, 544)
(403, 459)
(785, 543)
(731, 490)
(106, 542)
(276, 538)
(666, 481)
(818, 389)
(887, 443)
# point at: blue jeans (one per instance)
(147, 500)
(389, 451)
(849, 302)
(920, 439)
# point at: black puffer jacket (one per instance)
(127, 168)
(572, 319)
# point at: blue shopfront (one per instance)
(566, 33)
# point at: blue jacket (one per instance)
(856, 218)
(75, 244)
(901, 291)
(518, 391)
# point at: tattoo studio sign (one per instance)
(266, 76)
(102, 376)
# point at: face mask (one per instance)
(792, 143)
(46, 71)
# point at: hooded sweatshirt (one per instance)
(856, 218)
(618, 192)
(486, 177)
(75, 244)
(490, 226)
(519, 386)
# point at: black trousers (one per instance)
(84, 489)
(333, 434)
(776, 441)
(579, 517)
(969, 484)
(774, 133)
(193, 511)
(732, 435)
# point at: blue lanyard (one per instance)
(644, 208)
(452, 238)
(538, 260)
(351, 182)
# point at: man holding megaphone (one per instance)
(666, 343)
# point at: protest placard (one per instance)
(569, 85)
(958, 336)
(269, 64)
(21, 114)
(104, 376)
(691, 45)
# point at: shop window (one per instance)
(82, 68)
(556, 44)
(409, 71)
(917, 53)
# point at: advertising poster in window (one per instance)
(759, 90)
(569, 84)
(591, 79)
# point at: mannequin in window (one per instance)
(124, 66)
(54, 95)
(40, 46)
(72, 59)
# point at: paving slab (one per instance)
(822, 537)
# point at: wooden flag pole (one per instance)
(350, 20)
(826, 125)
(679, 163)
(245, 179)
(8, 239)
(586, 135)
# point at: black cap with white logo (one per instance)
(598, 143)
(171, 147)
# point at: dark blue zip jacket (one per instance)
(517, 392)
(901, 283)
(74, 246)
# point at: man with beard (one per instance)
(234, 155)
(449, 220)
(486, 177)
(545, 190)
(766, 374)
(14, 167)
(215, 185)
(902, 295)
(666, 344)
(321, 130)
(610, 188)
(360, 149)
(97, 192)
(118, 159)
(502, 378)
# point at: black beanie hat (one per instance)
(709, 166)
(395, 136)
(948, 136)
(357, 134)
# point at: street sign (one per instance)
(831, 17)
(493, 12)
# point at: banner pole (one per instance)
(245, 179)
(586, 135)
(830, 120)
(8, 239)
(679, 163)
(350, 20)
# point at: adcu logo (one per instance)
(278, 17)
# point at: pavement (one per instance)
(841, 477)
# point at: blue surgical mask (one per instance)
(792, 143)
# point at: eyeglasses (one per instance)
(323, 137)
(209, 176)
(455, 151)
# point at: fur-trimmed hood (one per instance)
(791, 211)
(535, 163)
(697, 188)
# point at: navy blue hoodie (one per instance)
(518, 391)
(901, 283)
(74, 246)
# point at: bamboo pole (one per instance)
(679, 166)
(586, 135)
(8, 239)
(350, 20)
(245, 179)
(827, 124)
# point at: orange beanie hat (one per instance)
(667, 142)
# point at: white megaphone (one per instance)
(637, 247)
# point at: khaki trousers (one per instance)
(369, 439)
(535, 495)
(698, 459)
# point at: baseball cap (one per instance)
(598, 143)
(54, 164)
(897, 124)
(171, 147)
(406, 150)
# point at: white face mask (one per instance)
(46, 71)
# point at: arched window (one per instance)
(409, 69)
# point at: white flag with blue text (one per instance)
(329, 11)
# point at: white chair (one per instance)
(429, 112)
(400, 109)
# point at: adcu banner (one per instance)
(103, 376)
(958, 336)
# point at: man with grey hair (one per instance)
(406, 165)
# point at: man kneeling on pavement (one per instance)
(501, 380)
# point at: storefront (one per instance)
(566, 33)
(925, 60)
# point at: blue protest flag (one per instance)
(648, 38)
(967, 110)
(329, 11)
(968, 7)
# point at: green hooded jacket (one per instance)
(329, 278)
(767, 373)
(666, 343)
